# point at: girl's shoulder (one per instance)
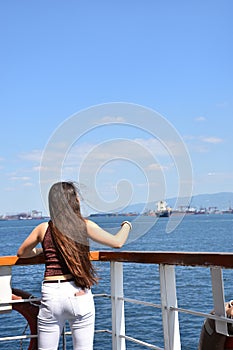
(41, 229)
(90, 223)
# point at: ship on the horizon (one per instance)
(163, 211)
(228, 211)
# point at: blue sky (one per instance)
(62, 57)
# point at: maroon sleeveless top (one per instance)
(54, 263)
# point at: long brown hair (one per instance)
(69, 232)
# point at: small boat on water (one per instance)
(163, 211)
(228, 211)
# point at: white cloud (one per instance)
(28, 184)
(158, 167)
(33, 156)
(190, 137)
(101, 152)
(211, 139)
(200, 119)
(110, 119)
(20, 178)
(154, 166)
(36, 168)
(205, 139)
(201, 144)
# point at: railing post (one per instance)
(168, 299)
(118, 313)
(5, 288)
(218, 298)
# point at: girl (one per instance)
(69, 274)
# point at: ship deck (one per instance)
(167, 261)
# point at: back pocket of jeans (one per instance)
(82, 305)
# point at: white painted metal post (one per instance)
(5, 288)
(168, 299)
(219, 299)
(118, 313)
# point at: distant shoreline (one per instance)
(216, 203)
(173, 213)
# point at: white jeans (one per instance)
(59, 304)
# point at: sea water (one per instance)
(212, 233)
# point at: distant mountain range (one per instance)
(221, 200)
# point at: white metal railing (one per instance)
(169, 308)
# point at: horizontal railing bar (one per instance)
(14, 260)
(134, 301)
(36, 260)
(140, 302)
(18, 337)
(102, 295)
(202, 314)
(103, 331)
(31, 300)
(17, 301)
(96, 331)
(204, 259)
(137, 341)
(21, 337)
